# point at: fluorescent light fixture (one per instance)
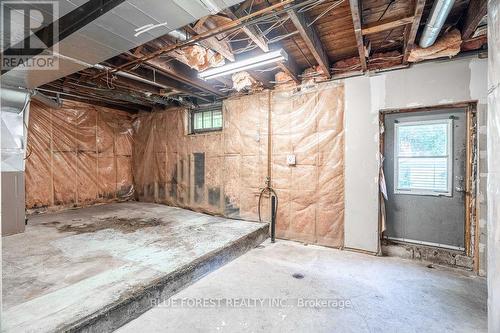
(238, 66)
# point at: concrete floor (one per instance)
(69, 265)
(372, 294)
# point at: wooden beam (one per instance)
(356, 20)
(475, 13)
(213, 43)
(242, 9)
(181, 73)
(412, 33)
(200, 22)
(158, 77)
(384, 25)
(312, 40)
(251, 32)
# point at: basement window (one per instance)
(423, 157)
(206, 120)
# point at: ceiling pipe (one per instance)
(48, 101)
(131, 76)
(179, 35)
(439, 13)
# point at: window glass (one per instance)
(206, 120)
(423, 174)
(422, 159)
(198, 120)
(217, 118)
(423, 140)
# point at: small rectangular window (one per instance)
(205, 120)
(423, 157)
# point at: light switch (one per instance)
(290, 160)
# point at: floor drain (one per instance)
(298, 276)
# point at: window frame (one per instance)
(448, 156)
(192, 112)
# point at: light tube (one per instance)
(260, 60)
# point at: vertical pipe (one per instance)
(273, 218)
(269, 138)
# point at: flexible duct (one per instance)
(13, 100)
(439, 13)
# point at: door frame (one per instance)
(471, 171)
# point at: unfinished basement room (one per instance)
(250, 166)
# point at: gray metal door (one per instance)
(424, 168)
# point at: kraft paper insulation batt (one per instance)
(77, 155)
(223, 172)
(83, 154)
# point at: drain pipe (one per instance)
(268, 188)
(439, 13)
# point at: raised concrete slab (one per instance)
(96, 268)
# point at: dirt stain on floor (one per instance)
(123, 224)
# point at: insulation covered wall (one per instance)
(77, 155)
(223, 172)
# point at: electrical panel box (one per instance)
(290, 160)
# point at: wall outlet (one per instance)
(290, 160)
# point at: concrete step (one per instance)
(119, 313)
(96, 268)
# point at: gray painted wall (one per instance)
(428, 218)
(428, 84)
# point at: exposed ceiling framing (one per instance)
(475, 13)
(336, 36)
(412, 33)
(358, 32)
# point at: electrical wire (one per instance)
(334, 5)
(310, 6)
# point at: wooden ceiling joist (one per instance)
(251, 32)
(179, 72)
(311, 39)
(166, 81)
(475, 13)
(356, 20)
(384, 25)
(212, 43)
(412, 33)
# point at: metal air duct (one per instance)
(439, 13)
